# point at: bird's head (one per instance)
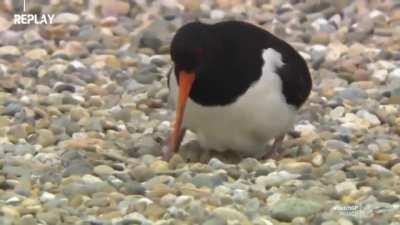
(192, 49)
(189, 45)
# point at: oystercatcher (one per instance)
(236, 86)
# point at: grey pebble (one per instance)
(288, 209)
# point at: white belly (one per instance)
(250, 122)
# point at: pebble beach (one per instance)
(84, 116)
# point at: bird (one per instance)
(236, 86)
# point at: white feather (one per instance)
(246, 125)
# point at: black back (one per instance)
(233, 61)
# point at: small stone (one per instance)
(17, 132)
(27, 220)
(321, 38)
(346, 187)
(103, 170)
(275, 178)
(66, 18)
(78, 113)
(353, 94)
(229, 213)
(206, 180)
(318, 53)
(394, 75)
(141, 173)
(134, 188)
(50, 217)
(77, 167)
(371, 118)
(380, 75)
(46, 137)
(36, 54)
(9, 51)
(145, 145)
(299, 221)
(176, 162)
(9, 211)
(46, 196)
(215, 221)
(297, 167)
(115, 8)
(317, 160)
(12, 109)
(61, 87)
(159, 166)
(330, 222)
(396, 169)
(344, 221)
(216, 163)
(217, 14)
(290, 208)
(122, 114)
(334, 157)
(90, 179)
(337, 112)
(4, 24)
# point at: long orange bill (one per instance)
(185, 85)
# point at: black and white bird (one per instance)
(236, 86)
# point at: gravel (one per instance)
(84, 117)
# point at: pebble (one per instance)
(275, 178)
(346, 187)
(36, 54)
(115, 8)
(46, 138)
(46, 196)
(16, 133)
(396, 169)
(394, 75)
(103, 170)
(12, 109)
(297, 167)
(84, 116)
(206, 180)
(290, 208)
(27, 220)
(66, 18)
(216, 164)
(9, 51)
(334, 157)
(230, 214)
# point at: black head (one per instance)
(191, 46)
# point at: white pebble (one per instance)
(380, 75)
(346, 187)
(394, 75)
(217, 14)
(371, 118)
(87, 178)
(12, 200)
(337, 112)
(46, 196)
(183, 200)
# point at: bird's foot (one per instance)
(276, 151)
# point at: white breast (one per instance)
(250, 122)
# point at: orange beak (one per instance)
(185, 85)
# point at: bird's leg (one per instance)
(168, 152)
(275, 151)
